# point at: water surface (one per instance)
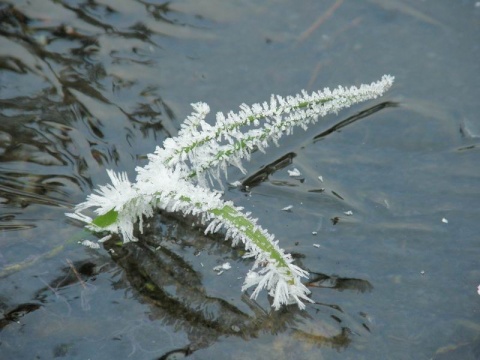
(87, 86)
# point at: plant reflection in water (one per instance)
(170, 284)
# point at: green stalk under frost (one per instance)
(228, 213)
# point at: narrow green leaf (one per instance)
(106, 219)
(248, 228)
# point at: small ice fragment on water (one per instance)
(287, 208)
(42, 40)
(348, 213)
(221, 268)
(294, 172)
(236, 183)
(478, 290)
(445, 221)
(90, 244)
(316, 245)
(314, 233)
(320, 178)
(235, 328)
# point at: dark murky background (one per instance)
(96, 84)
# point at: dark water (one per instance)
(91, 85)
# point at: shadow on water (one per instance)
(262, 174)
(359, 116)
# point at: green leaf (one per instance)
(106, 219)
(246, 225)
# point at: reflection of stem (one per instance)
(19, 266)
(39, 199)
(13, 268)
(77, 275)
(314, 75)
(58, 296)
(325, 16)
(155, 273)
(174, 290)
(338, 341)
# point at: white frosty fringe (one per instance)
(175, 180)
(201, 147)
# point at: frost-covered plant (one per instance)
(181, 175)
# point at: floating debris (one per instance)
(316, 245)
(317, 190)
(287, 208)
(314, 233)
(294, 173)
(348, 213)
(445, 221)
(320, 178)
(335, 220)
(337, 195)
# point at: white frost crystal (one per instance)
(221, 268)
(90, 244)
(180, 178)
(294, 173)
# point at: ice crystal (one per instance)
(181, 175)
(294, 173)
(90, 244)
